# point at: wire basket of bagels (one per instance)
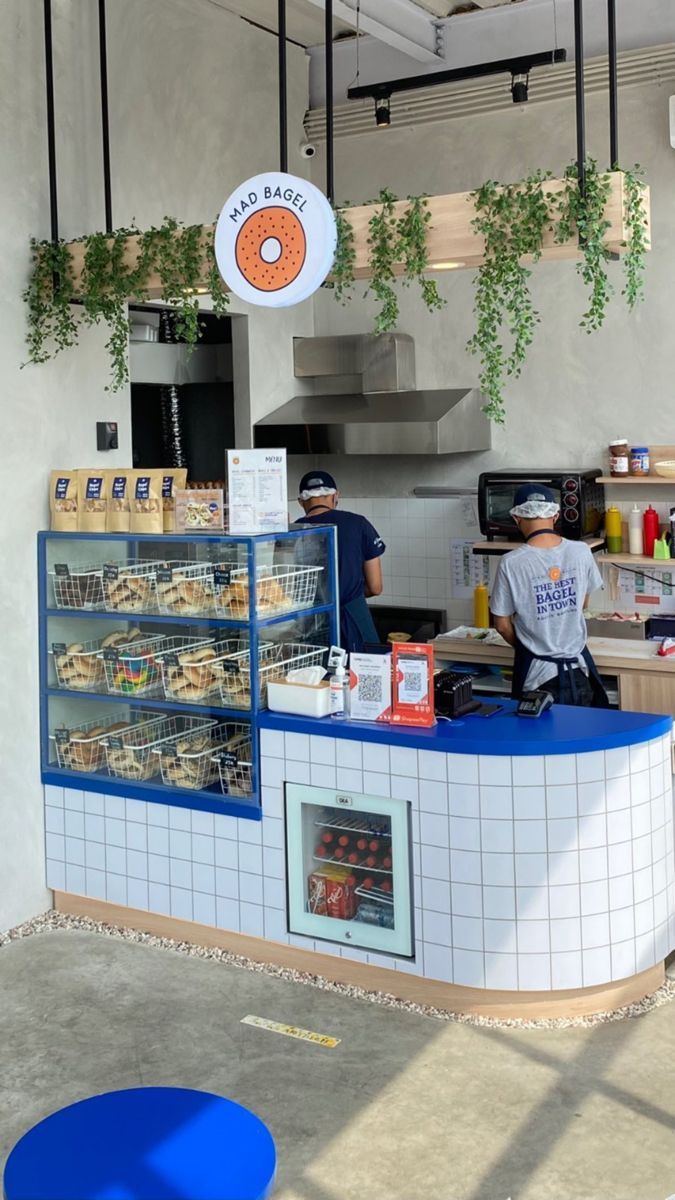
(187, 759)
(278, 590)
(235, 762)
(130, 753)
(80, 747)
(135, 670)
(192, 674)
(78, 666)
(78, 587)
(186, 589)
(130, 587)
(274, 662)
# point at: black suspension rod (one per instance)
(105, 123)
(51, 133)
(283, 90)
(580, 96)
(613, 87)
(330, 163)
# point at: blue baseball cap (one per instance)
(314, 480)
(534, 491)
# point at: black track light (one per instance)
(520, 85)
(382, 112)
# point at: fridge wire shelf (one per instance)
(131, 587)
(341, 862)
(375, 894)
(79, 586)
(185, 589)
(130, 754)
(136, 670)
(187, 759)
(354, 825)
(278, 589)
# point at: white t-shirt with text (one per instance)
(544, 591)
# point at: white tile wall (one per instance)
(563, 878)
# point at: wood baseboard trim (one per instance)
(470, 1001)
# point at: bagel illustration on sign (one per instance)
(275, 240)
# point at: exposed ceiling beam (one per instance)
(407, 28)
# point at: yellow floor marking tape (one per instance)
(305, 1035)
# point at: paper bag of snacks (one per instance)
(146, 502)
(200, 510)
(119, 504)
(171, 483)
(63, 501)
(92, 488)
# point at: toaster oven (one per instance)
(581, 497)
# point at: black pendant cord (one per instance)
(105, 124)
(330, 163)
(283, 90)
(51, 131)
(613, 87)
(580, 97)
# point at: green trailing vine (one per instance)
(412, 232)
(512, 220)
(583, 213)
(637, 245)
(384, 242)
(345, 257)
(182, 257)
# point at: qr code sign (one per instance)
(412, 685)
(370, 689)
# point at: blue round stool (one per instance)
(144, 1144)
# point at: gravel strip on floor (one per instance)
(53, 920)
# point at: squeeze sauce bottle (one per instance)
(481, 610)
(613, 530)
(635, 540)
(650, 526)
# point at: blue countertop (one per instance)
(561, 730)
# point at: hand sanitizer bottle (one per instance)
(338, 692)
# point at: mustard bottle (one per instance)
(613, 530)
(481, 608)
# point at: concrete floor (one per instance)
(406, 1107)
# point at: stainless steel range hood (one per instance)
(377, 409)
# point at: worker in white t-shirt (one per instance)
(538, 601)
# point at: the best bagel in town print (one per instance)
(275, 240)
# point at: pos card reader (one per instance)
(533, 704)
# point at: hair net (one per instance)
(536, 509)
(310, 493)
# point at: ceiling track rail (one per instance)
(635, 68)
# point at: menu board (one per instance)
(257, 491)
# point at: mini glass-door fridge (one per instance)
(349, 869)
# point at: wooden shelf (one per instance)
(497, 548)
(619, 480)
(637, 560)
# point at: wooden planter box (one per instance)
(450, 236)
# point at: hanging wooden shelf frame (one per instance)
(451, 238)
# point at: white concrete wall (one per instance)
(577, 391)
(193, 112)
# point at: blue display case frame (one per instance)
(158, 793)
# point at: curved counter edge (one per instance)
(562, 730)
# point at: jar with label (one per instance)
(639, 460)
(618, 457)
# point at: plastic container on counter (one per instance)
(618, 457)
(639, 460)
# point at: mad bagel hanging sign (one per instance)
(275, 240)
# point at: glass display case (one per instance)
(156, 653)
(349, 870)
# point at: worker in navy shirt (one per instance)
(359, 549)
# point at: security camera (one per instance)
(307, 149)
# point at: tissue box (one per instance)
(299, 699)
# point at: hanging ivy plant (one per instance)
(512, 221)
(181, 257)
(412, 233)
(637, 245)
(345, 257)
(384, 242)
(583, 213)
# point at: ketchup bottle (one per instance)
(650, 525)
